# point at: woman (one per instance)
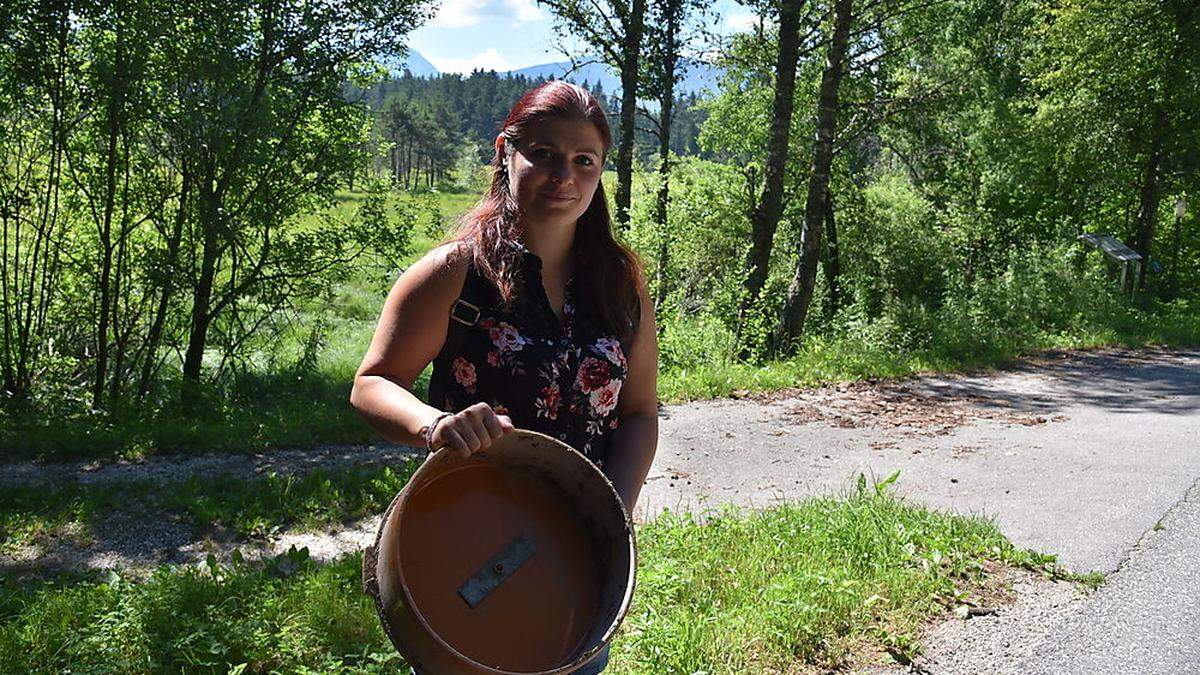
(533, 316)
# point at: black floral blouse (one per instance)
(558, 378)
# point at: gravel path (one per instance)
(137, 541)
(169, 468)
(998, 643)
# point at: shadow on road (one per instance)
(1115, 380)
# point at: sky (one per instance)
(505, 35)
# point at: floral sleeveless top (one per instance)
(559, 378)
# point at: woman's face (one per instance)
(553, 172)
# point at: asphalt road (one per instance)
(1146, 618)
(1077, 455)
(1092, 456)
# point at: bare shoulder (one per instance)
(443, 264)
(412, 325)
(436, 278)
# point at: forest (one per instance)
(440, 130)
(203, 205)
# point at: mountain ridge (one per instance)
(698, 77)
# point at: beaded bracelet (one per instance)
(433, 427)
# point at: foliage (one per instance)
(155, 168)
(974, 142)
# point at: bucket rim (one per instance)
(401, 499)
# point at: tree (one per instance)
(1127, 65)
(666, 38)
(800, 290)
(38, 104)
(111, 172)
(614, 28)
(769, 205)
(265, 125)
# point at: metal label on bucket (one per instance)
(496, 570)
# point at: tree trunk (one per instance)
(164, 299)
(800, 290)
(1177, 238)
(115, 105)
(120, 290)
(832, 264)
(202, 299)
(765, 217)
(630, 52)
(666, 104)
(1149, 196)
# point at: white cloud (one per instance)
(486, 60)
(459, 13)
(464, 13)
(742, 22)
(525, 11)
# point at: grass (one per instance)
(824, 359)
(811, 585)
(223, 618)
(284, 408)
(251, 508)
(292, 400)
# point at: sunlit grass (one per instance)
(818, 584)
(823, 360)
(289, 399)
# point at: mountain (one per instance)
(414, 63)
(699, 75)
(591, 73)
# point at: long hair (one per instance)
(611, 270)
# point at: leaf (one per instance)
(881, 487)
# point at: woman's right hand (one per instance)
(473, 429)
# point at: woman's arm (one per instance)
(410, 333)
(636, 439)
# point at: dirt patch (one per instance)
(996, 624)
(901, 406)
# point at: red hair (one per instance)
(611, 270)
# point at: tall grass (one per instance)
(815, 584)
(294, 392)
